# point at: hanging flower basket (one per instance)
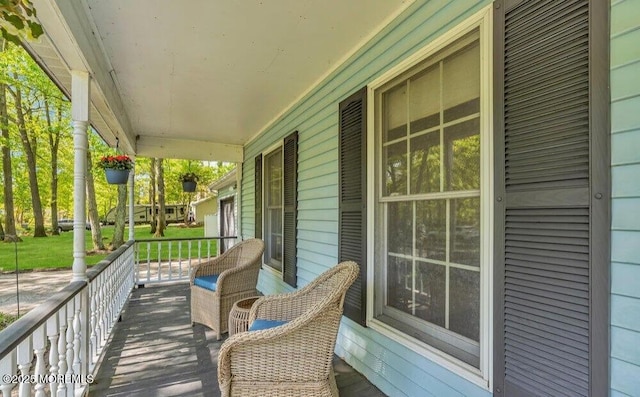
(116, 177)
(116, 168)
(189, 181)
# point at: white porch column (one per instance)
(131, 202)
(80, 116)
(238, 200)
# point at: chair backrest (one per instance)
(245, 252)
(332, 285)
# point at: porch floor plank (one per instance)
(156, 352)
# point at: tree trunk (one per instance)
(94, 218)
(187, 214)
(9, 211)
(54, 142)
(160, 182)
(118, 229)
(39, 230)
(152, 191)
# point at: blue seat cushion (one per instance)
(208, 282)
(259, 324)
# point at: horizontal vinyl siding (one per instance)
(625, 206)
(247, 206)
(373, 352)
(395, 369)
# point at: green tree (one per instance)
(18, 21)
(9, 212)
(92, 207)
(118, 229)
(161, 222)
(27, 77)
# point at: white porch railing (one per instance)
(54, 349)
(164, 260)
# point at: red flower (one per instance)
(119, 162)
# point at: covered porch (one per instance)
(514, 273)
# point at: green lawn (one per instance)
(56, 252)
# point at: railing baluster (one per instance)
(25, 355)
(62, 351)
(189, 255)
(8, 367)
(100, 318)
(169, 254)
(39, 345)
(137, 263)
(69, 348)
(53, 333)
(93, 325)
(77, 335)
(159, 245)
(180, 258)
(148, 262)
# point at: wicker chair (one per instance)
(237, 270)
(293, 359)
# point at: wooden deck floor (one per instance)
(156, 352)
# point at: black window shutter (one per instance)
(290, 204)
(258, 196)
(551, 224)
(352, 228)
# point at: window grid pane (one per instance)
(273, 209)
(430, 146)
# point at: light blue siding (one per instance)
(625, 345)
(625, 207)
(624, 280)
(624, 115)
(624, 146)
(625, 312)
(624, 377)
(625, 15)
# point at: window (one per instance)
(276, 206)
(428, 215)
(273, 208)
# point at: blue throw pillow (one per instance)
(259, 324)
(208, 282)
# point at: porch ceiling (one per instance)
(199, 79)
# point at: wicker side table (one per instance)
(239, 315)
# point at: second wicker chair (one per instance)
(225, 279)
(294, 358)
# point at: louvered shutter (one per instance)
(551, 250)
(352, 227)
(258, 196)
(290, 204)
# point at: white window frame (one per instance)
(483, 376)
(267, 152)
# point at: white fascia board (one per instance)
(150, 146)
